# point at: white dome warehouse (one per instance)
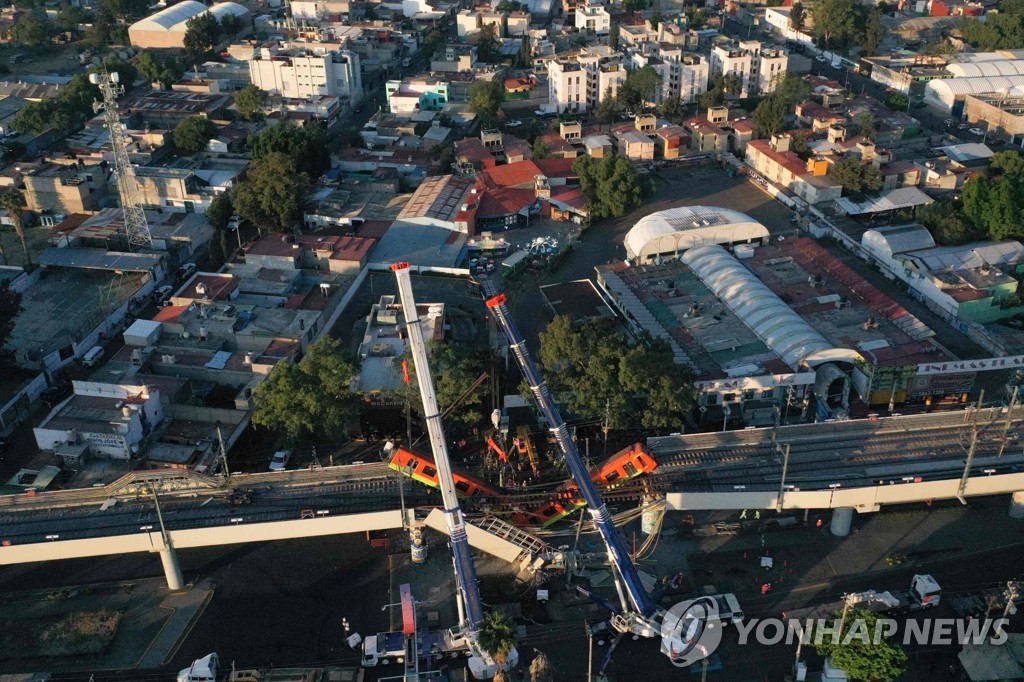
(669, 233)
(166, 28)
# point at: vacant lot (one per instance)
(83, 633)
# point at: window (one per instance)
(429, 471)
(768, 394)
(462, 486)
(612, 476)
(749, 394)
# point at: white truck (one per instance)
(924, 593)
(384, 648)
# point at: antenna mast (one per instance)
(135, 224)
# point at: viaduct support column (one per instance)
(842, 520)
(172, 571)
(1017, 505)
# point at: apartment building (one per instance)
(580, 85)
(299, 73)
(758, 68)
(683, 74)
(593, 18)
(416, 94)
(66, 188)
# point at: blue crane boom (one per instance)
(471, 610)
(640, 601)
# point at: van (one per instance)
(92, 358)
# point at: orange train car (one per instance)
(421, 468)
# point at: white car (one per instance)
(514, 123)
(821, 58)
(948, 121)
(234, 222)
(976, 131)
(280, 460)
(163, 293)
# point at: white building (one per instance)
(778, 19)
(315, 10)
(759, 69)
(581, 84)
(301, 74)
(102, 419)
(593, 18)
(166, 29)
(683, 74)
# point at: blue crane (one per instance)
(640, 615)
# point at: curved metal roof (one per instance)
(169, 17)
(677, 229)
(948, 89)
(787, 334)
(999, 67)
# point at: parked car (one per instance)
(514, 123)
(280, 460)
(243, 320)
(186, 271)
(976, 131)
(161, 294)
(821, 58)
(234, 222)
(948, 121)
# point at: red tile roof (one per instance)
(169, 314)
(788, 160)
(504, 201)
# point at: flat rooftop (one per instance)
(66, 305)
(578, 300)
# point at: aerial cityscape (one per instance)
(540, 341)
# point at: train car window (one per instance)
(612, 476)
(413, 463)
(429, 471)
(550, 511)
(630, 469)
(462, 486)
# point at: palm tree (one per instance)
(540, 668)
(12, 201)
(497, 636)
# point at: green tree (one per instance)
(947, 223)
(696, 18)
(874, 32)
(230, 25)
(487, 44)
(497, 636)
(770, 116)
(32, 28)
(862, 650)
(837, 22)
(540, 149)
(632, 6)
(307, 147)
(611, 185)
(272, 194)
(640, 87)
(155, 70)
(126, 72)
(433, 42)
(123, 10)
(1010, 163)
(192, 134)
(796, 16)
(10, 308)
(455, 367)
(13, 202)
(866, 125)
(525, 54)
(799, 146)
(847, 172)
(672, 108)
(485, 98)
(249, 101)
(608, 109)
(201, 35)
(69, 17)
(510, 6)
(218, 215)
(1000, 31)
(311, 399)
(613, 35)
(897, 101)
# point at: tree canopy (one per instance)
(598, 373)
(640, 87)
(249, 102)
(455, 367)
(192, 134)
(862, 649)
(272, 193)
(67, 112)
(311, 399)
(1002, 31)
(611, 185)
(487, 44)
(307, 147)
(770, 114)
(796, 16)
(837, 22)
(32, 28)
(857, 178)
(218, 215)
(497, 636)
(159, 70)
(13, 201)
(485, 98)
(201, 35)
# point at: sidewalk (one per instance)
(186, 607)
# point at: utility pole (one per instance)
(223, 456)
(1009, 420)
(967, 465)
(590, 654)
(782, 483)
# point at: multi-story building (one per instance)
(299, 73)
(758, 69)
(580, 85)
(63, 189)
(682, 74)
(468, 22)
(593, 18)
